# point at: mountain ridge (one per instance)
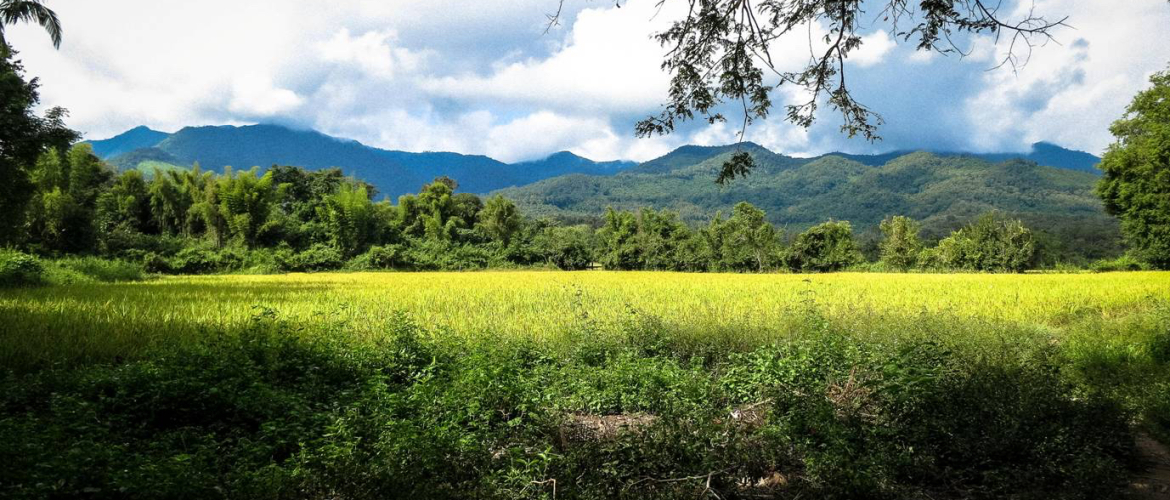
(399, 172)
(393, 172)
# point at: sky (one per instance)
(485, 77)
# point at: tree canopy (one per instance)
(1136, 184)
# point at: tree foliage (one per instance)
(993, 243)
(24, 137)
(28, 11)
(1136, 184)
(900, 244)
(826, 247)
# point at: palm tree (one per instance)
(29, 11)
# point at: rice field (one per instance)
(102, 321)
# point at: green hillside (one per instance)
(942, 191)
(393, 173)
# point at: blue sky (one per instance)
(484, 78)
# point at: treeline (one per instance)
(747, 242)
(291, 219)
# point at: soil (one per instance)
(1154, 482)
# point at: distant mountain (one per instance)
(1043, 153)
(1046, 153)
(392, 172)
(135, 138)
(942, 191)
(398, 172)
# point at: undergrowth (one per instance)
(272, 411)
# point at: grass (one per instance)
(377, 385)
(103, 321)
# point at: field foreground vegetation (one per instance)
(584, 385)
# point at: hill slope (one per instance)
(135, 138)
(392, 172)
(942, 191)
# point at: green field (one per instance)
(606, 384)
(100, 321)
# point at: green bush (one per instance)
(823, 248)
(196, 260)
(379, 258)
(155, 263)
(102, 270)
(1125, 262)
(316, 258)
(993, 243)
(20, 269)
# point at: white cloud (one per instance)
(608, 62)
(372, 53)
(1070, 93)
(482, 78)
(873, 50)
(255, 96)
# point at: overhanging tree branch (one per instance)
(721, 49)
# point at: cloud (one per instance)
(873, 50)
(255, 96)
(1069, 94)
(482, 78)
(371, 53)
(608, 62)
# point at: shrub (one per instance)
(20, 269)
(992, 243)
(155, 263)
(379, 257)
(206, 260)
(447, 256)
(102, 270)
(1125, 262)
(826, 247)
(318, 257)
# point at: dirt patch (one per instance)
(601, 428)
(1154, 483)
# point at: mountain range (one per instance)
(393, 172)
(1050, 188)
(399, 172)
(943, 191)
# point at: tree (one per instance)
(350, 216)
(246, 200)
(432, 214)
(993, 243)
(900, 244)
(500, 219)
(64, 194)
(744, 242)
(567, 248)
(1136, 182)
(826, 247)
(28, 11)
(720, 52)
(126, 205)
(619, 251)
(24, 137)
